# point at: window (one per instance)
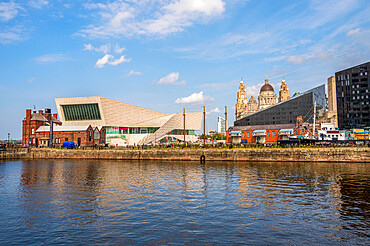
(66, 139)
(268, 133)
(248, 135)
(273, 133)
(81, 112)
(33, 130)
(243, 134)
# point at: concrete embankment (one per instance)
(350, 154)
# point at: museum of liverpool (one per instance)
(126, 124)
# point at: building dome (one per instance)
(267, 86)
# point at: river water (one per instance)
(216, 203)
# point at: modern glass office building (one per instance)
(286, 112)
(353, 97)
(126, 124)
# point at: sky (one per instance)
(166, 55)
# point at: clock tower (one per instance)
(241, 106)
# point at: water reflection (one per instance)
(116, 202)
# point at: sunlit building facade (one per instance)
(286, 112)
(126, 124)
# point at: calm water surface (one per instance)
(125, 203)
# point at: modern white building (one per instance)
(329, 132)
(126, 124)
(221, 125)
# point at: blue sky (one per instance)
(169, 54)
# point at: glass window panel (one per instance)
(81, 112)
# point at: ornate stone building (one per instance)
(283, 92)
(266, 98)
(241, 106)
(252, 105)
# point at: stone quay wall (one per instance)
(14, 154)
(340, 154)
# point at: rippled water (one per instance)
(120, 202)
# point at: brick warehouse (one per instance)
(36, 131)
(33, 121)
(82, 136)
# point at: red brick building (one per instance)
(260, 133)
(33, 121)
(82, 136)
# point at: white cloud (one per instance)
(8, 11)
(109, 59)
(171, 79)
(181, 14)
(106, 48)
(38, 4)
(353, 32)
(301, 59)
(11, 34)
(103, 48)
(50, 58)
(132, 72)
(215, 110)
(117, 49)
(151, 17)
(31, 80)
(195, 98)
(254, 90)
(298, 59)
(275, 59)
(88, 47)
(231, 45)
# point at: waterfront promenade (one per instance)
(305, 154)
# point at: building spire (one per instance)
(266, 80)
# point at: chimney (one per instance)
(48, 113)
(28, 115)
(41, 112)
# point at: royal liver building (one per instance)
(266, 98)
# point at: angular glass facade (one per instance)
(130, 130)
(287, 112)
(81, 112)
